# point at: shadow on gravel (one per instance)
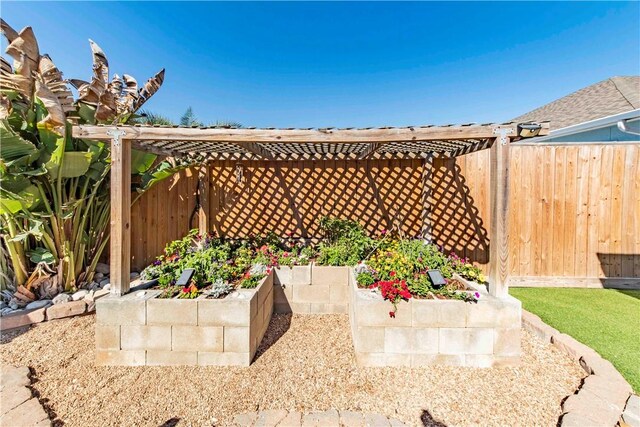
(428, 420)
(171, 422)
(278, 326)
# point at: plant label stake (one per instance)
(185, 277)
(436, 278)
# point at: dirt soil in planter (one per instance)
(304, 363)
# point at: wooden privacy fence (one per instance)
(574, 214)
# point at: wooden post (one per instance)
(120, 255)
(203, 188)
(498, 246)
(427, 175)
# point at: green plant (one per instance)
(346, 242)
(365, 279)
(54, 188)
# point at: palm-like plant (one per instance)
(54, 188)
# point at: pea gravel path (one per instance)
(305, 363)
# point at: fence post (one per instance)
(120, 222)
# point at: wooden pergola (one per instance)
(216, 143)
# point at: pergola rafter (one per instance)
(423, 142)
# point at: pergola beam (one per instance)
(266, 136)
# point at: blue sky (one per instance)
(345, 64)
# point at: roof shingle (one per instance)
(612, 96)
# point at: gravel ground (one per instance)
(305, 363)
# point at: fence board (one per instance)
(575, 210)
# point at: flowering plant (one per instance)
(394, 291)
(189, 292)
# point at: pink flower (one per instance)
(477, 295)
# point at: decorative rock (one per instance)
(14, 377)
(104, 281)
(106, 287)
(134, 275)
(3, 305)
(6, 311)
(69, 309)
(102, 268)
(98, 276)
(79, 295)
(631, 414)
(38, 304)
(588, 405)
(61, 298)
(14, 304)
(20, 318)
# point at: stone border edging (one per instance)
(19, 406)
(604, 398)
(332, 417)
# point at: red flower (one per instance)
(392, 274)
(392, 314)
(185, 289)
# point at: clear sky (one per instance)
(345, 64)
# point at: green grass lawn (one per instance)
(606, 320)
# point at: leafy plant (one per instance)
(54, 188)
(346, 242)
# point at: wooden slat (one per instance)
(203, 209)
(266, 136)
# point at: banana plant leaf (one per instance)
(161, 171)
(39, 255)
(141, 161)
(13, 146)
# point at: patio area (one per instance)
(304, 363)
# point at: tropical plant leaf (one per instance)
(13, 146)
(148, 90)
(75, 164)
(26, 55)
(87, 113)
(8, 32)
(56, 118)
(162, 171)
(141, 161)
(39, 255)
(53, 79)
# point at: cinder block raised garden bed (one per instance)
(435, 332)
(311, 289)
(141, 329)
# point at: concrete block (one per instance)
(327, 275)
(324, 308)
(500, 361)
(223, 359)
(369, 339)
(196, 338)
(22, 318)
(371, 312)
(373, 360)
(172, 358)
(68, 309)
(224, 312)
(426, 340)
(135, 337)
(395, 359)
(465, 341)
(282, 276)
(300, 307)
(506, 342)
(311, 293)
(478, 360)
(439, 313)
(282, 294)
(398, 340)
(236, 339)
(114, 310)
(437, 359)
(490, 312)
(120, 357)
(172, 312)
(107, 337)
(301, 274)
(339, 293)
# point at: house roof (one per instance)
(606, 98)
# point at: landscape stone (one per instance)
(12, 397)
(30, 413)
(134, 275)
(631, 414)
(20, 318)
(13, 377)
(38, 304)
(61, 298)
(270, 418)
(589, 405)
(79, 295)
(105, 284)
(102, 268)
(98, 276)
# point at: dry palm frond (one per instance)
(56, 117)
(148, 90)
(26, 55)
(52, 78)
(9, 32)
